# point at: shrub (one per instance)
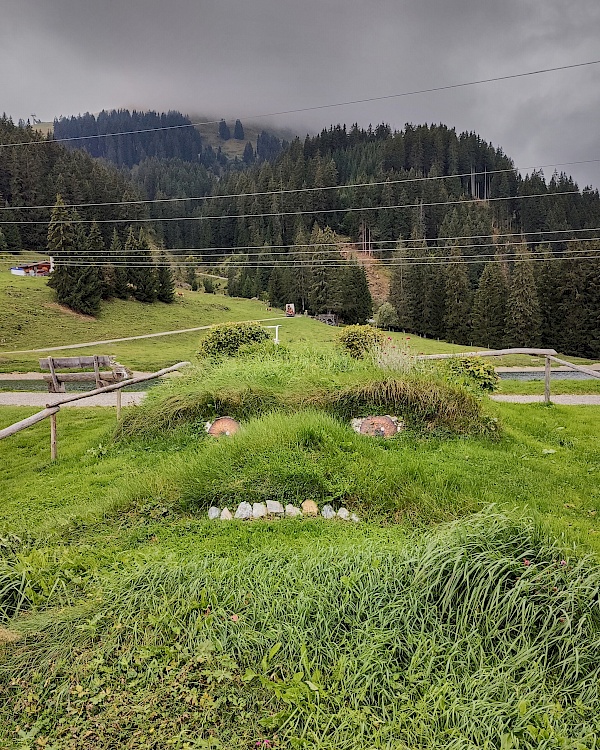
(226, 339)
(359, 340)
(209, 285)
(474, 372)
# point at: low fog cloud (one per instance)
(241, 59)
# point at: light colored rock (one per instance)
(213, 513)
(310, 508)
(226, 515)
(259, 510)
(275, 508)
(354, 517)
(244, 512)
(344, 514)
(291, 511)
(328, 512)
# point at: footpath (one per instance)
(23, 398)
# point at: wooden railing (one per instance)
(549, 354)
(52, 410)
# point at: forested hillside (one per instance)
(33, 175)
(478, 253)
(165, 136)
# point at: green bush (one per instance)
(226, 339)
(474, 372)
(359, 340)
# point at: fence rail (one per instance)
(52, 410)
(549, 354)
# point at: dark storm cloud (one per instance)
(220, 57)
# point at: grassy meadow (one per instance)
(461, 612)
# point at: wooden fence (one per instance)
(52, 410)
(549, 354)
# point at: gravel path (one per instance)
(42, 399)
(564, 400)
(130, 399)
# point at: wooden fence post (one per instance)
(547, 381)
(119, 404)
(53, 445)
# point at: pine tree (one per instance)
(224, 132)
(142, 272)
(458, 300)
(248, 157)
(3, 243)
(165, 283)
(61, 248)
(120, 288)
(550, 283)
(238, 131)
(86, 282)
(523, 318)
(489, 308)
(191, 278)
(97, 250)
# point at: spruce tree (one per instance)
(61, 248)
(3, 243)
(86, 281)
(120, 288)
(238, 131)
(142, 272)
(165, 282)
(457, 300)
(523, 318)
(224, 132)
(489, 308)
(97, 250)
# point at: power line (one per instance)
(293, 191)
(298, 110)
(336, 263)
(104, 256)
(319, 211)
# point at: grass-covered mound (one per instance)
(312, 455)
(481, 634)
(277, 378)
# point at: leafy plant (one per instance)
(472, 371)
(226, 340)
(359, 340)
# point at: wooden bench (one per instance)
(57, 380)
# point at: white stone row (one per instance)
(274, 509)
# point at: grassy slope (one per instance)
(29, 319)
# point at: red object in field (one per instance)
(378, 427)
(290, 310)
(224, 426)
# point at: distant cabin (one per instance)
(329, 318)
(41, 268)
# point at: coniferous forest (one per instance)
(477, 253)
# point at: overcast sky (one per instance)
(239, 58)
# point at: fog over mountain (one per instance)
(240, 59)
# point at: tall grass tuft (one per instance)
(285, 380)
(481, 634)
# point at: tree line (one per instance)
(87, 272)
(307, 278)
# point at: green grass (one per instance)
(444, 619)
(288, 379)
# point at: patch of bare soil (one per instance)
(7, 636)
(377, 277)
(68, 311)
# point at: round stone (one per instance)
(378, 427)
(223, 426)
